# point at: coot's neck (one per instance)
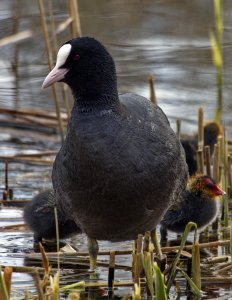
(96, 95)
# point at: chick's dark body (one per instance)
(201, 210)
(39, 215)
(116, 173)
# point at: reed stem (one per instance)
(152, 89)
(50, 64)
(201, 128)
(208, 160)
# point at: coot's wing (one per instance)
(164, 151)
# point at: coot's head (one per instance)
(86, 66)
(204, 185)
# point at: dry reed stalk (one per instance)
(229, 170)
(7, 277)
(178, 128)
(29, 120)
(44, 260)
(5, 195)
(201, 246)
(216, 174)
(111, 273)
(55, 44)
(38, 285)
(223, 265)
(207, 160)
(22, 269)
(50, 63)
(200, 128)
(227, 268)
(64, 25)
(218, 259)
(10, 227)
(129, 252)
(231, 239)
(138, 259)
(74, 260)
(3, 290)
(74, 13)
(36, 113)
(200, 162)
(224, 160)
(39, 154)
(146, 241)
(27, 159)
(120, 283)
(216, 280)
(17, 37)
(152, 89)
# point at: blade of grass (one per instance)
(192, 285)
(175, 262)
(147, 265)
(160, 289)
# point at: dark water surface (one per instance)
(166, 38)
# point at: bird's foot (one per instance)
(93, 252)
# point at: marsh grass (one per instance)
(177, 258)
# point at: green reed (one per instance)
(217, 53)
(177, 258)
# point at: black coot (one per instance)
(198, 204)
(121, 165)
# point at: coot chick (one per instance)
(121, 165)
(39, 216)
(211, 132)
(198, 204)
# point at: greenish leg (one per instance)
(93, 251)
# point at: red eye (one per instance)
(76, 57)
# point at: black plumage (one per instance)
(198, 204)
(121, 165)
(190, 144)
(40, 217)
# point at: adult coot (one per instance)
(211, 132)
(40, 217)
(121, 165)
(197, 204)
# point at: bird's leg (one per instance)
(163, 233)
(37, 238)
(93, 251)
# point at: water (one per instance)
(166, 38)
